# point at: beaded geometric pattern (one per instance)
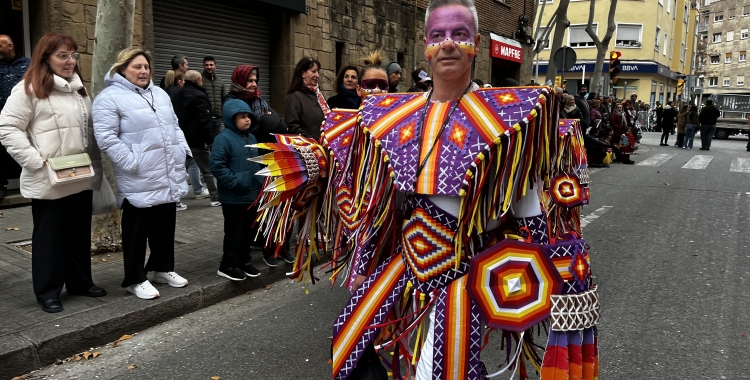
(575, 311)
(428, 239)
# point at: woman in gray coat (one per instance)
(306, 108)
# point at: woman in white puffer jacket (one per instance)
(136, 127)
(47, 116)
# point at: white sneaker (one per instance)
(173, 279)
(144, 290)
(203, 194)
(181, 206)
(215, 204)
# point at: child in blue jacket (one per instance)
(238, 188)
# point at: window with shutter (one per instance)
(731, 15)
(730, 36)
(719, 16)
(743, 56)
(714, 59)
(746, 11)
(628, 35)
(577, 36)
(728, 58)
(743, 34)
(740, 80)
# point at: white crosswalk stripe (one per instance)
(698, 162)
(656, 160)
(740, 165)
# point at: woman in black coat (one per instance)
(347, 84)
(306, 108)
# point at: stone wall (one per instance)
(362, 26)
(77, 18)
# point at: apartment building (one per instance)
(722, 53)
(656, 39)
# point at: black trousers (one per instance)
(62, 245)
(239, 234)
(9, 168)
(155, 225)
(665, 130)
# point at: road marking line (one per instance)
(594, 215)
(740, 165)
(656, 160)
(698, 162)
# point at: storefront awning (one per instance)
(505, 48)
(293, 5)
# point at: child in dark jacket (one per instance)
(238, 188)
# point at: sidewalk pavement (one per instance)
(31, 338)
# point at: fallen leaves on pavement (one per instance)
(132, 366)
(124, 337)
(12, 229)
(215, 377)
(268, 287)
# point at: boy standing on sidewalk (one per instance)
(238, 189)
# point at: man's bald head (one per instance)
(7, 52)
(192, 75)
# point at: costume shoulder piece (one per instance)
(482, 117)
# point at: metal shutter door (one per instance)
(232, 34)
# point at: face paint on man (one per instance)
(450, 24)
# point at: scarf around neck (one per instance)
(569, 109)
(239, 81)
(321, 100)
(351, 98)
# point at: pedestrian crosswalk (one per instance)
(697, 162)
(740, 165)
(656, 160)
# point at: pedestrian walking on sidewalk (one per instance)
(48, 115)
(691, 126)
(707, 117)
(238, 189)
(136, 127)
(667, 123)
(681, 126)
(193, 109)
(306, 108)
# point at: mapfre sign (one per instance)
(505, 51)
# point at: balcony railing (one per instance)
(703, 27)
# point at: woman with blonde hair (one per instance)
(136, 127)
(47, 116)
(374, 79)
(173, 82)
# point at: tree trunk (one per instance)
(114, 32)
(602, 46)
(561, 23)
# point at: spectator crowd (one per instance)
(197, 126)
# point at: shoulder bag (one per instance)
(74, 167)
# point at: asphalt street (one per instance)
(669, 246)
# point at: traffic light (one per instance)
(614, 62)
(680, 86)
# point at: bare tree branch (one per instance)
(601, 45)
(561, 24)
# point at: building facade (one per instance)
(655, 37)
(276, 34)
(722, 54)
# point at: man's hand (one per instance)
(358, 282)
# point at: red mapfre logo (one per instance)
(507, 52)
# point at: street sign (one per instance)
(565, 58)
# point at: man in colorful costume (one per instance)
(459, 204)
